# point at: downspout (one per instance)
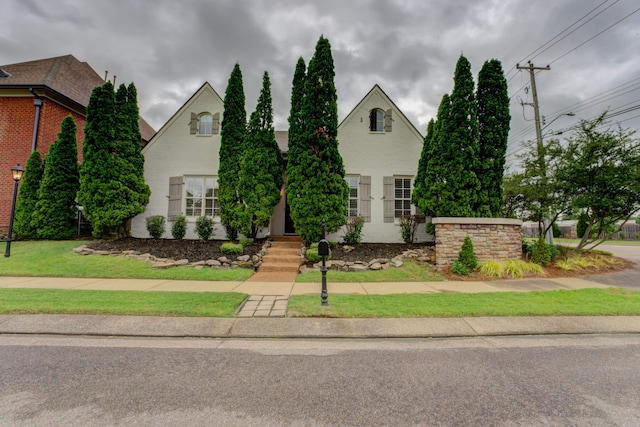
(38, 103)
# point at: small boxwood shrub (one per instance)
(458, 267)
(204, 227)
(408, 227)
(541, 253)
(246, 241)
(231, 248)
(155, 226)
(353, 231)
(179, 227)
(312, 254)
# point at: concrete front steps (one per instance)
(281, 262)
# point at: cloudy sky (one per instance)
(408, 47)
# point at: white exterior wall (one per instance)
(379, 154)
(173, 151)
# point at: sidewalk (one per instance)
(283, 327)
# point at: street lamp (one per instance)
(16, 173)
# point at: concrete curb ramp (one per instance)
(151, 326)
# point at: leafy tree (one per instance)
(317, 176)
(97, 165)
(23, 225)
(232, 134)
(55, 213)
(459, 144)
(601, 170)
(535, 197)
(261, 169)
(493, 129)
(419, 186)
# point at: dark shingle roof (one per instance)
(63, 74)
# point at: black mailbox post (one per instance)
(323, 251)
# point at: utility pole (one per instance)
(536, 110)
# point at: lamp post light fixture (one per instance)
(16, 173)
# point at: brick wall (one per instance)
(17, 116)
(493, 238)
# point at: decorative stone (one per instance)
(244, 258)
(375, 266)
(244, 264)
(213, 263)
(358, 267)
(347, 248)
(224, 260)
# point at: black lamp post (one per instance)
(16, 173)
(323, 251)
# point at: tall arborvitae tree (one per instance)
(436, 165)
(296, 119)
(23, 224)
(232, 134)
(460, 146)
(97, 166)
(493, 126)
(419, 185)
(261, 171)
(130, 193)
(56, 211)
(316, 179)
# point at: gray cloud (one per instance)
(409, 47)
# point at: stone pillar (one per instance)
(493, 238)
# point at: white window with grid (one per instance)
(402, 197)
(205, 124)
(201, 196)
(354, 185)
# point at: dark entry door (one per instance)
(288, 222)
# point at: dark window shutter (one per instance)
(365, 198)
(194, 124)
(372, 120)
(175, 197)
(388, 192)
(387, 120)
(216, 123)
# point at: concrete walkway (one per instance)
(293, 288)
(270, 297)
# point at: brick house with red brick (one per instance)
(35, 97)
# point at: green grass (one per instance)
(57, 259)
(409, 272)
(66, 301)
(582, 302)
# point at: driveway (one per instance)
(625, 279)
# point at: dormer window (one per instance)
(4, 74)
(379, 120)
(205, 124)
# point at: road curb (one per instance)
(312, 328)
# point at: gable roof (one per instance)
(205, 86)
(65, 76)
(377, 88)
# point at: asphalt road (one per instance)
(502, 381)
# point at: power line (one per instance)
(593, 37)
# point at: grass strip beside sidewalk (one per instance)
(582, 302)
(148, 303)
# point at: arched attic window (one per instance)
(379, 120)
(205, 123)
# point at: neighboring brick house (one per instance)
(378, 144)
(43, 91)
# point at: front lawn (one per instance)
(56, 259)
